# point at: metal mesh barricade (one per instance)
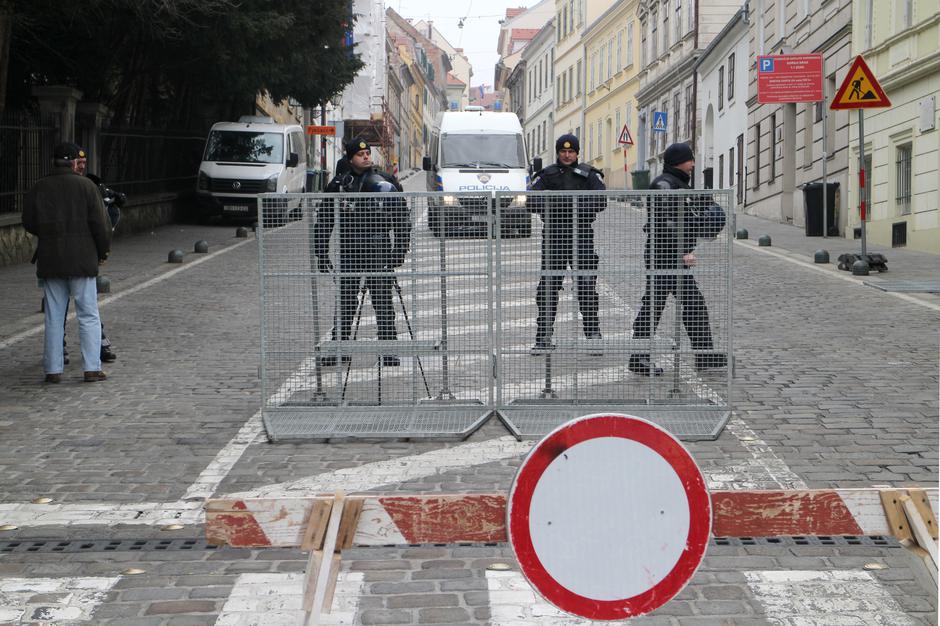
(372, 326)
(619, 300)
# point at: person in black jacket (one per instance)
(672, 229)
(567, 229)
(374, 237)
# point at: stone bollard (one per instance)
(175, 256)
(103, 284)
(241, 232)
(201, 246)
(860, 268)
(741, 233)
(821, 256)
(764, 241)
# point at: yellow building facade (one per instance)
(612, 62)
(900, 41)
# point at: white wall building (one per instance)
(539, 87)
(722, 98)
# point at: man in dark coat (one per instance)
(567, 238)
(672, 230)
(64, 210)
(374, 238)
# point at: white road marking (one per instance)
(52, 600)
(814, 598)
(9, 341)
(277, 600)
(395, 471)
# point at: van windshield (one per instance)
(466, 150)
(235, 146)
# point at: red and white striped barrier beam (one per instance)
(481, 518)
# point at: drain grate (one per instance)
(104, 545)
(821, 540)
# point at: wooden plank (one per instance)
(314, 559)
(922, 502)
(352, 509)
(897, 520)
(919, 529)
(331, 583)
(329, 546)
(316, 525)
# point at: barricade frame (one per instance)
(441, 415)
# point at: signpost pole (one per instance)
(862, 205)
(825, 159)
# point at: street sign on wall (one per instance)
(609, 517)
(789, 78)
(321, 130)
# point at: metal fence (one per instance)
(27, 140)
(141, 161)
(419, 314)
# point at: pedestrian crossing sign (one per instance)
(625, 137)
(659, 121)
(860, 89)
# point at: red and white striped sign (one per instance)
(481, 518)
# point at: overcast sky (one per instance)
(480, 30)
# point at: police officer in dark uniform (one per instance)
(567, 228)
(672, 230)
(374, 237)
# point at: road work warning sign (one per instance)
(860, 89)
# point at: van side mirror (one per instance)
(426, 164)
(293, 160)
(536, 165)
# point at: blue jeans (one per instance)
(57, 292)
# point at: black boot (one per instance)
(642, 365)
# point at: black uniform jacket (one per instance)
(372, 233)
(557, 213)
(672, 220)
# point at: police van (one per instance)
(247, 158)
(477, 151)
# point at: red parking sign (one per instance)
(789, 78)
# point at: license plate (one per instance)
(235, 208)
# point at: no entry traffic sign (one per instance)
(609, 517)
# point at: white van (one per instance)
(246, 158)
(476, 151)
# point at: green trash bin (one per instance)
(641, 179)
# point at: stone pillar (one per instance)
(59, 100)
(91, 118)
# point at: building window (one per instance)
(644, 51)
(600, 73)
(678, 21)
(689, 117)
(757, 155)
(564, 21)
(903, 168)
(544, 136)
(781, 19)
(906, 9)
(618, 126)
(654, 36)
(719, 184)
(662, 136)
(691, 14)
(773, 148)
(619, 50)
(570, 82)
(731, 77)
(675, 114)
(629, 44)
(730, 167)
(610, 59)
(579, 72)
(721, 87)
(740, 178)
(665, 26)
(593, 71)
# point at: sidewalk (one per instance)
(903, 264)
